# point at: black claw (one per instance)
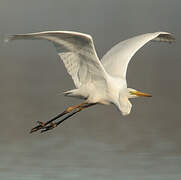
(40, 123)
(47, 128)
(40, 126)
(36, 128)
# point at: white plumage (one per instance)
(116, 60)
(97, 81)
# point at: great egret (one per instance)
(96, 81)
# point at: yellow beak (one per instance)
(138, 93)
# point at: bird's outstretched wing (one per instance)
(77, 52)
(116, 60)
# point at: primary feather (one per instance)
(116, 60)
(76, 50)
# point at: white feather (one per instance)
(96, 82)
(116, 60)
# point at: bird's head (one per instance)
(132, 93)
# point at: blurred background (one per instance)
(97, 143)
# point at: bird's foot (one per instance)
(40, 126)
(49, 127)
(46, 126)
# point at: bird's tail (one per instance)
(74, 93)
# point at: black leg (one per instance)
(53, 125)
(42, 124)
(45, 126)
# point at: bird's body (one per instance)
(96, 81)
(102, 91)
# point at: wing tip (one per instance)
(8, 38)
(165, 37)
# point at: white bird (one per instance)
(96, 81)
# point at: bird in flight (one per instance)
(96, 81)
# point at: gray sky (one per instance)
(32, 77)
